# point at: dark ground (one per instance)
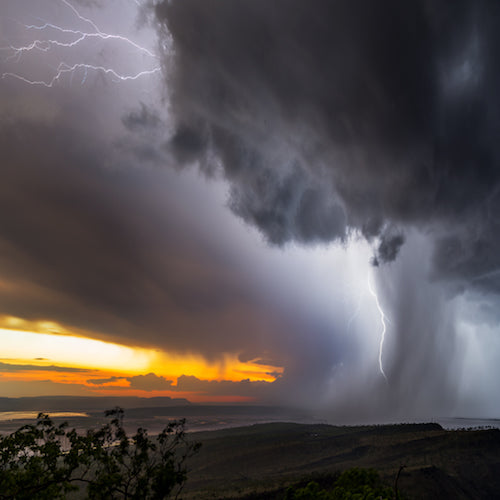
(263, 459)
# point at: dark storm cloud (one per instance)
(141, 119)
(94, 244)
(329, 118)
(96, 237)
(388, 248)
(187, 144)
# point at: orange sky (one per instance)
(46, 354)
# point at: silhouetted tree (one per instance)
(44, 461)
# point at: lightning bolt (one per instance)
(44, 45)
(383, 318)
(80, 36)
(64, 68)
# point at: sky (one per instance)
(252, 201)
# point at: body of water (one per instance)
(32, 415)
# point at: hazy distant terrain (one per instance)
(84, 403)
(84, 413)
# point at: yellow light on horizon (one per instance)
(228, 367)
(74, 351)
(46, 343)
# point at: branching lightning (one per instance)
(80, 36)
(64, 69)
(383, 319)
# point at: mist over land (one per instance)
(154, 413)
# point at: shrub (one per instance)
(43, 461)
(353, 484)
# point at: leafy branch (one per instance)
(43, 461)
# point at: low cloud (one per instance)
(246, 388)
(8, 367)
(150, 382)
(102, 381)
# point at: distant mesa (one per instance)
(86, 403)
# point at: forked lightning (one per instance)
(45, 45)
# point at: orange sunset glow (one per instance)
(49, 353)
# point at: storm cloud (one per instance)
(339, 118)
(95, 248)
(315, 123)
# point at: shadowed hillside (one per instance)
(268, 457)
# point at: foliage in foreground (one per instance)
(353, 484)
(43, 461)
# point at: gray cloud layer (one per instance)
(133, 254)
(335, 117)
(94, 247)
(350, 117)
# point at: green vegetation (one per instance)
(353, 484)
(43, 461)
